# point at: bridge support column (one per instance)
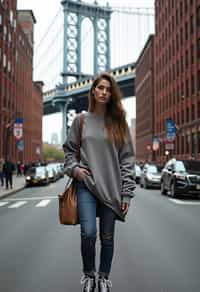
(64, 110)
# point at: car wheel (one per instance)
(173, 190)
(145, 184)
(163, 190)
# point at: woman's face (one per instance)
(102, 92)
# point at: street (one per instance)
(156, 250)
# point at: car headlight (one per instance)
(43, 176)
(149, 176)
(181, 177)
(28, 177)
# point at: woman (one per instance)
(104, 175)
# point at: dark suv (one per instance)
(181, 177)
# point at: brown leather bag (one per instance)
(68, 209)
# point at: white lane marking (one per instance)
(17, 205)
(43, 203)
(32, 198)
(3, 203)
(179, 202)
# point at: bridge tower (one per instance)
(74, 13)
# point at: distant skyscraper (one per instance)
(54, 138)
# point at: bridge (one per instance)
(76, 93)
(72, 91)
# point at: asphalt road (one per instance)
(156, 250)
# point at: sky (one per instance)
(44, 14)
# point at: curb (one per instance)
(14, 191)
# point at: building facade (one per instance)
(20, 97)
(144, 91)
(177, 76)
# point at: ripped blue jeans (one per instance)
(87, 207)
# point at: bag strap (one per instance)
(80, 135)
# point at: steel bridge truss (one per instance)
(74, 13)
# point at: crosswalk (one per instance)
(34, 202)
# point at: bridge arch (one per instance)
(87, 63)
(74, 13)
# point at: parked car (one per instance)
(51, 173)
(150, 176)
(137, 173)
(37, 175)
(181, 177)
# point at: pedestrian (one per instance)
(104, 176)
(8, 169)
(19, 168)
(1, 171)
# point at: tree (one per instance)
(52, 153)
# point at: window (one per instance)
(187, 115)
(192, 85)
(182, 64)
(186, 31)
(4, 60)
(187, 143)
(198, 109)
(192, 54)
(182, 117)
(181, 36)
(187, 88)
(182, 144)
(198, 80)
(186, 59)
(198, 142)
(198, 16)
(193, 143)
(198, 49)
(192, 24)
(186, 6)
(11, 16)
(193, 113)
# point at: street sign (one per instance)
(20, 145)
(18, 128)
(169, 146)
(170, 130)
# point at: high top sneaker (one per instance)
(89, 283)
(104, 285)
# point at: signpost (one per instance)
(20, 145)
(171, 131)
(18, 128)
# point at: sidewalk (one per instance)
(18, 184)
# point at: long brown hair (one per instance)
(115, 117)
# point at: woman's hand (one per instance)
(80, 173)
(124, 208)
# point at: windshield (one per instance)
(153, 169)
(40, 171)
(192, 165)
(137, 168)
(180, 166)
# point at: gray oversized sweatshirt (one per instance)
(111, 166)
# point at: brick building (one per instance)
(144, 87)
(20, 97)
(177, 75)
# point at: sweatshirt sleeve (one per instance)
(126, 158)
(70, 147)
